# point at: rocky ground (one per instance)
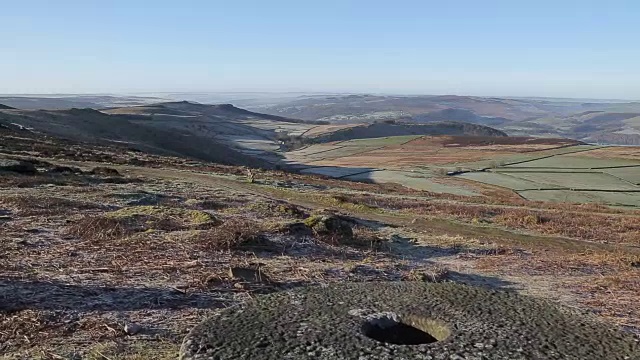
(107, 254)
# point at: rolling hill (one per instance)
(612, 122)
(219, 133)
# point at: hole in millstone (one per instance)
(410, 330)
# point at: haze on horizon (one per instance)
(568, 49)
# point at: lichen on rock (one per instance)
(456, 321)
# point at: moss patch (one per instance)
(187, 217)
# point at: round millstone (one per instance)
(404, 320)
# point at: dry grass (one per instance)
(588, 222)
(235, 234)
(130, 220)
(367, 238)
(607, 283)
(71, 296)
(27, 205)
(436, 274)
(100, 228)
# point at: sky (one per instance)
(559, 48)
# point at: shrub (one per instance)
(101, 228)
(165, 218)
(32, 205)
(105, 171)
(236, 234)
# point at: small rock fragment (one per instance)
(18, 166)
(249, 274)
(132, 328)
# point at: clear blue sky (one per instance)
(521, 48)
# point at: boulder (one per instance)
(18, 166)
(105, 171)
(404, 320)
(331, 225)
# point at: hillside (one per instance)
(98, 239)
(220, 133)
(170, 132)
(403, 129)
(592, 121)
(61, 102)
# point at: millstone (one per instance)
(404, 320)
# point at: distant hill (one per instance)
(459, 115)
(61, 102)
(219, 133)
(400, 129)
(192, 108)
(546, 117)
(5, 107)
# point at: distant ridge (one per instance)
(225, 110)
(401, 128)
(236, 110)
(5, 107)
(219, 133)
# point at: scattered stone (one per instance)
(18, 166)
(105, 171)
(150, 199)
(132, 328)
(297, 229)
(254, 274)
(240, 286)
(366, 270)
(260, 242)
(435, 275)
(330, 225)
(5, 215)
(65, 170)
(402, 240)
(213, 280)
(291, 210)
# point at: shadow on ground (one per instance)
(481, 281)
(16, 295)
(408, 248)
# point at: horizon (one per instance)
(494, 49)
(148, 94)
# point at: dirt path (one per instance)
(428, 225)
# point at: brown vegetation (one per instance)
(589, 222)
(235, 234)
(27, 205)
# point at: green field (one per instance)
(523, 159)
(381, 141)
(417, 181)
(340, 152)
(630, 174)
(313, 149)
(574, 162)
(332, 171)
(590, 181)
(504, 180)
(560, 174)
(599, 197)
(507, 170)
